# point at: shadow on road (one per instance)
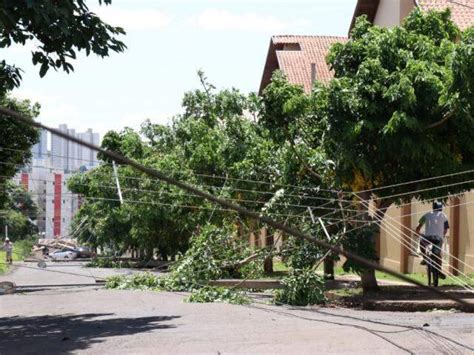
(53, 334)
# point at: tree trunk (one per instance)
(367, 278)
(268, 240)
(328, 268)
(268, 265)
(368, 281)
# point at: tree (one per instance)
(212, 138)
(18, 212)
(16, 140)
(60, 28)
(399, 109)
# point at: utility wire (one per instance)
(155, 192)
(295, 186)
(391, 233)
(416, 213)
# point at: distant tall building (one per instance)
(70, 156)
(40, 149)
(88, 156)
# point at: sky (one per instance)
(168, 42)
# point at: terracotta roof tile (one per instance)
(296, 63)
(462, 11)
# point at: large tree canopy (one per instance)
(400, 107)
(213, 138)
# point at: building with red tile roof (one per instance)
(301, 58)
(390, 13)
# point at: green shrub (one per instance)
(206, 259)
(140, 281)
(300, 288)
(108, 263)
(209, 294)
(300, 254)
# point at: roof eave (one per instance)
(364, 7)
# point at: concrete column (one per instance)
(454, 234)
(406, 237)
(252, 240)
(263, 238)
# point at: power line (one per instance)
(303, 187)
(195, 174)
(181, 206)
(407, 244)
(132, 189)
(68, 157)
(461, 4)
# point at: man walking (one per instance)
(436, 226)
(8, 247)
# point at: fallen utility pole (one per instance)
(229, 205)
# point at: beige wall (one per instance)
(391, 12)
(390, 249)
(406, 6)
(389, 246)
(466, 231)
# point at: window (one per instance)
(288, 47)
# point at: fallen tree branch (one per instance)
(441, 121)
(243, 262)
(300, 158)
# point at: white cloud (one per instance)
(139, 20)
(217, 20)
(54, 110)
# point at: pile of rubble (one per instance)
(51, 245)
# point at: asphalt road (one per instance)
(93, 320)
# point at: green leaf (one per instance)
(44, 69)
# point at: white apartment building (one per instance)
(56, 204)
(46, 178)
